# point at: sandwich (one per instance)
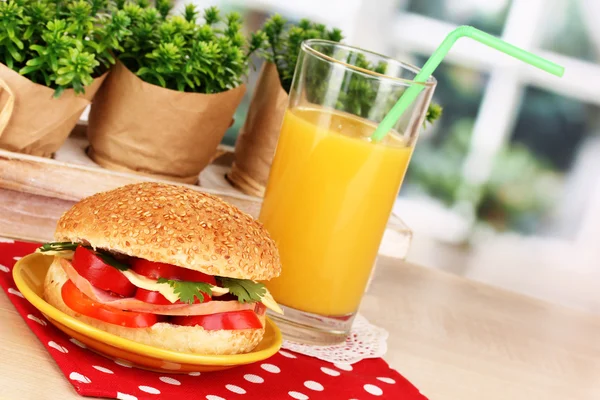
(165, 266)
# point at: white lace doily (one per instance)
(365, 341)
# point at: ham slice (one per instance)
(133, 304)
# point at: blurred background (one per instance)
(505, 187)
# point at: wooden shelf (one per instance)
(35, 191)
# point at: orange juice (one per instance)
(329, 196)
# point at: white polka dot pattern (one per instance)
(194, 374)
(102, 369)
(58, 347)
(374, 390)
(312, 385)
(286, 354)
(386, 380)
(4, 268)
(298, 395)
(274, 369)
(235, 389)
(15, 292)
(253, 378)
(149, 389)
(36, 319)
(330, 372)
(76, 376)
(213, 397)
(77, 343)
(343, 367)
(169, 380)
(124, 396)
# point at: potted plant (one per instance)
(172, 93)
(54, 56)
(255, 146)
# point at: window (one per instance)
(516, 150)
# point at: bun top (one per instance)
(175, 225)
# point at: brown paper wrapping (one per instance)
(138, 127)
(255, 146)
(38, 123)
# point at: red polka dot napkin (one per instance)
(286, 375)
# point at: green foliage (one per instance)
(283, 41)
(58, 246)
(245, 290)
(363, 95)
(361, 92)
(60, 44)
(437, 169)
(282, 47)
(105, 255)
(164, 8)
(519, 191)
(177, 52)
(187, 291)
(434, 112)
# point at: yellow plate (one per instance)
(29, 274)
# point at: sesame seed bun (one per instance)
(187, 339)
(175, 225)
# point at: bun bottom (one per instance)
(187, 339)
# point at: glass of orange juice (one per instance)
(331, 188)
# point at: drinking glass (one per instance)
(331, 188)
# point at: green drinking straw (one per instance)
(436, 58)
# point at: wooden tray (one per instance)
(35, 191)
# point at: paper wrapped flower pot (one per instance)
(138, 127)
(255, 146)
(32, 121)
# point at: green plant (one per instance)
(60, 44)
(176, 52)
(520, 189)
(434, 112)
(283, 42)
(282, 48)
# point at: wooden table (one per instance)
(454, 339)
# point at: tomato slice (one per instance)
(101, 275)
(155, 270)
(79, 302)
(153, 297)
(233, 320)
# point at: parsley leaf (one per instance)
(106, 256)
(188, 290)
(58, 246)
(112, 261)
(247, 291)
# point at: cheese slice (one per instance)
(218, 291)
(163, 288)
(68, 254)
(151, 284)
(269, 302)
